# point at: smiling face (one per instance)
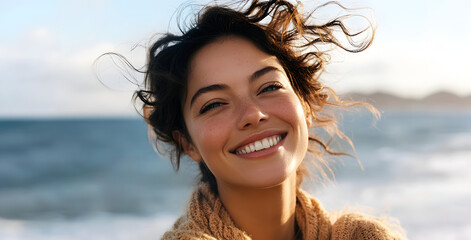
(244, 119)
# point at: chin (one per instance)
(270, 183)
(270, 178)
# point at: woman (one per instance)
(238, 92)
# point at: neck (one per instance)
(262, 213)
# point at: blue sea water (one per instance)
(101, 179)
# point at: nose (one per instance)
(250, 115)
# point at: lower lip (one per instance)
(263, 153)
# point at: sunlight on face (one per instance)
(245, 121)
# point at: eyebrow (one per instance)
(214, 87)
(263, 71)
(217, 87)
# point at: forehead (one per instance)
(227, 58)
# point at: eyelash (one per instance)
(272, 87)
(210, 106)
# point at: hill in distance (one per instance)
(439, 101)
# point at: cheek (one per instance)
(211, 135)
(290, 110)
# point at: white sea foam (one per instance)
(429, 191)
(97, 227)
(459, 141)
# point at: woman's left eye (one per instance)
(271, 87)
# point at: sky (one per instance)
(48, 49)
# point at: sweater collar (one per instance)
(206, 218)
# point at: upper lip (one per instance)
(258, 136)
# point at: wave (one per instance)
(98, 227)
(100, 178)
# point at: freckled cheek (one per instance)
(289, 108)
(212, 135)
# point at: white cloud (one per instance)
(410, 68)
(41, 78)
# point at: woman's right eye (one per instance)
(210, 106)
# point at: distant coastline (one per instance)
(439, 101)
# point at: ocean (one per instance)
(101, 179)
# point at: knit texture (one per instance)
(206, 218)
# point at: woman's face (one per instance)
(244, 119)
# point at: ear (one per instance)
(187, 146)
(147, 111)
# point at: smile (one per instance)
(259, 145)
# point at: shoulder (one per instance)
(356, 226)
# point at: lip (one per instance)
(259, 136)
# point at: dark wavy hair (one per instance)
(278, 28)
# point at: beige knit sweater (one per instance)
(206, 218)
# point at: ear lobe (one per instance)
(188, 147)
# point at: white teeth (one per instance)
(247, 149)
(265, 143)
(259, 145)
